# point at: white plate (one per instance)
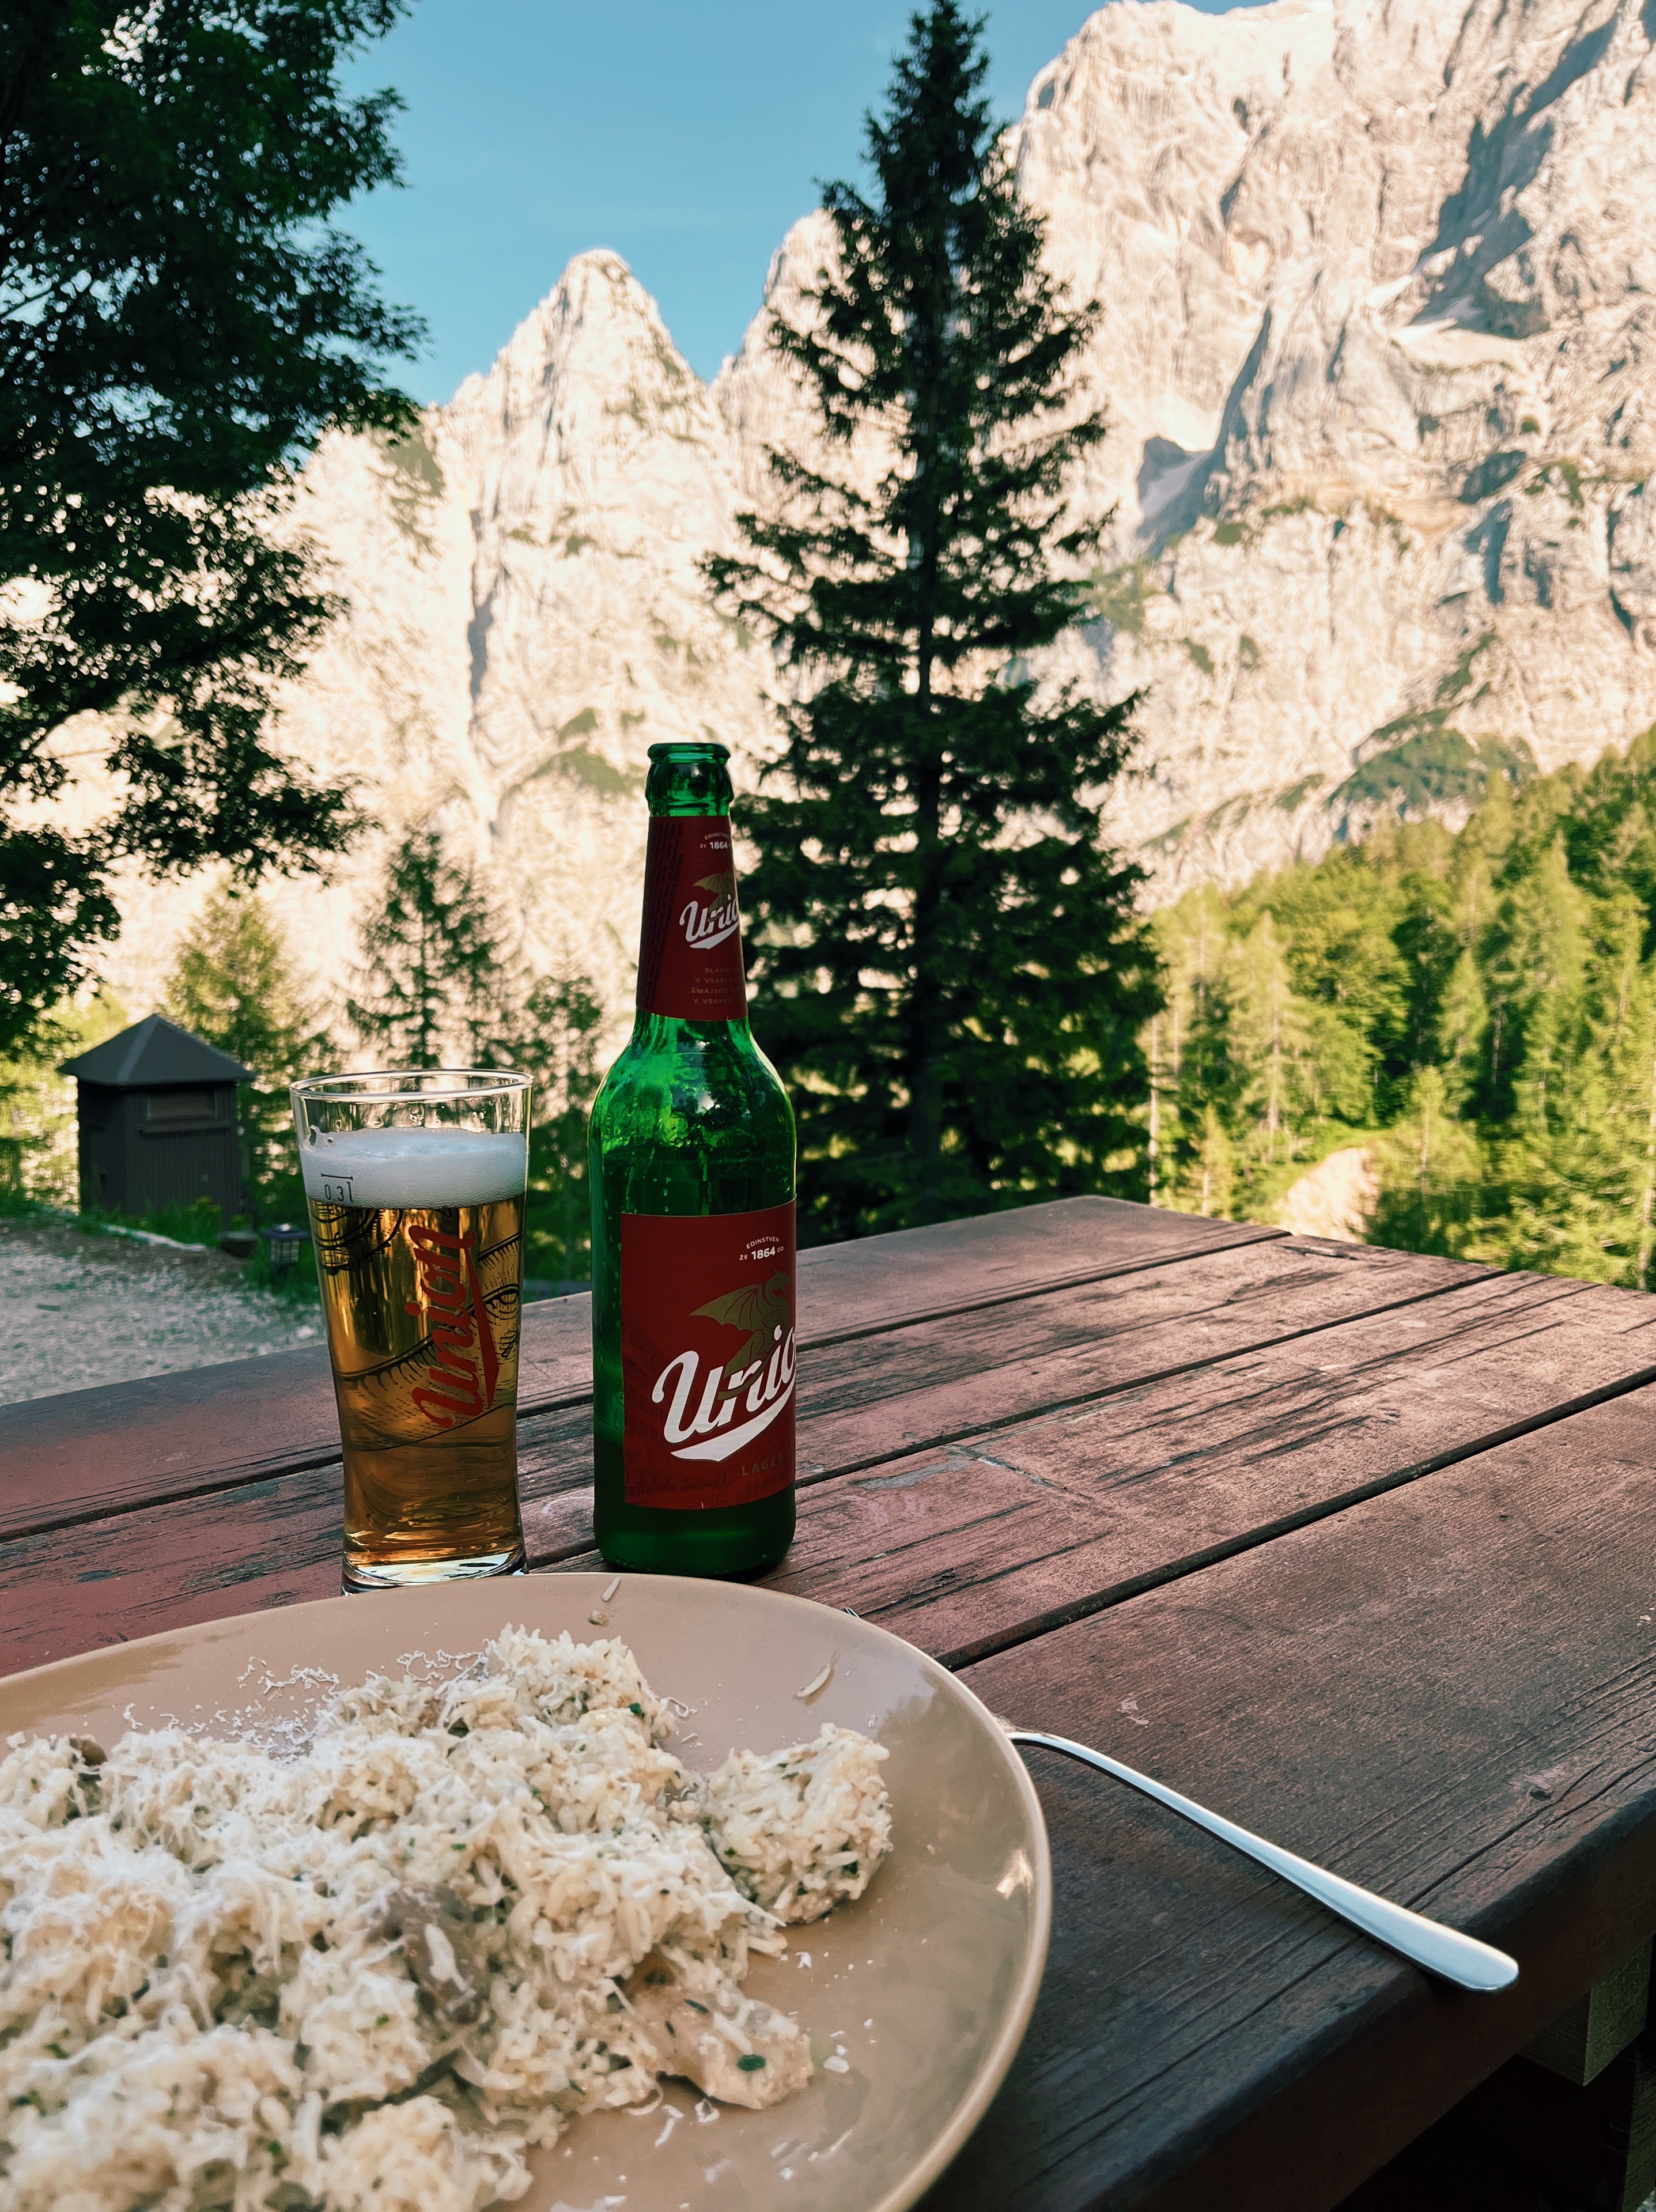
(927, 1981)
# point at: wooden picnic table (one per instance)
(1358, 1547)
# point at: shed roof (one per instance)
(151, 1055)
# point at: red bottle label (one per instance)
(707, 1357)
(690, 950)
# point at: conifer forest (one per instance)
(1477, 1009)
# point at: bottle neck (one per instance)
(690, 947)
(659, 1033)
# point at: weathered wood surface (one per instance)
(1118, 1475)
(1025, 1527)
(924, 1273)
(89, 1453)
(1448, 1693)
(209, 1552)
(1352, 1545)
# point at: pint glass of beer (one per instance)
(416, 1185)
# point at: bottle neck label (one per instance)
(707, 1357)
(690, 950)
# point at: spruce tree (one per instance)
(234, 985)
(1430, 1167)
(1268, 1037)
(1463, 1021)
(431, 986)
(557, 1044)
(948, 966)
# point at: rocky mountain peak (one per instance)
(1378, 282)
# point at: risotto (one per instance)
(374, 1973)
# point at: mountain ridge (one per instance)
(1376, 354)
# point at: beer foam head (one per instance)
(415, 1167)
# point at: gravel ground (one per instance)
(76, 1310)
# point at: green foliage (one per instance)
(1119, 596)
(558, 1041)
(948, 967)
(430, 988)
(234, 985)
(39, 1137)
(1425, 764)
(1485, 1001)
(198, 1223)
(1431, 1170)
(438, 987)
(178, 324)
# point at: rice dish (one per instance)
(375, 1973)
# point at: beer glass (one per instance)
(416, 1183)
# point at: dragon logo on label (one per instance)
(706, 925)
(708, 1421)
(765, 1313)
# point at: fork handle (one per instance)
(1441, 1950)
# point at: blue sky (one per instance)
(684, 134)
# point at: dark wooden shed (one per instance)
(157, 1120)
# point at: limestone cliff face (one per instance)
(1379, 346)
(1378, 280)
(526, 617)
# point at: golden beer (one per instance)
(419, 1250)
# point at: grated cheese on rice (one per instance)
(500, 1901)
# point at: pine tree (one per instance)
(1269, 1043)
(1192, 938)
(1430, 1170)
(433, 985)
(557, 1044)
(1463, 1022)
(948, 966)
(1207, 1183)
(1576, 1155)
(234, 985)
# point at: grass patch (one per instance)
(1297, 794)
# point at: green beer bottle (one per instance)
(692, 1192)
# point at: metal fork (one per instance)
(1441, 1950)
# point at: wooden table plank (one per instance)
(1448, 1693)
(914, 1274)
(210, 1552)
(969, 1549)
(923, 1386)
(92, 1452)
(920, 1385)
(87, 1453)
(986, 1543)
(1025, 1527)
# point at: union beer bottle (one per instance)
(692, 1195)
